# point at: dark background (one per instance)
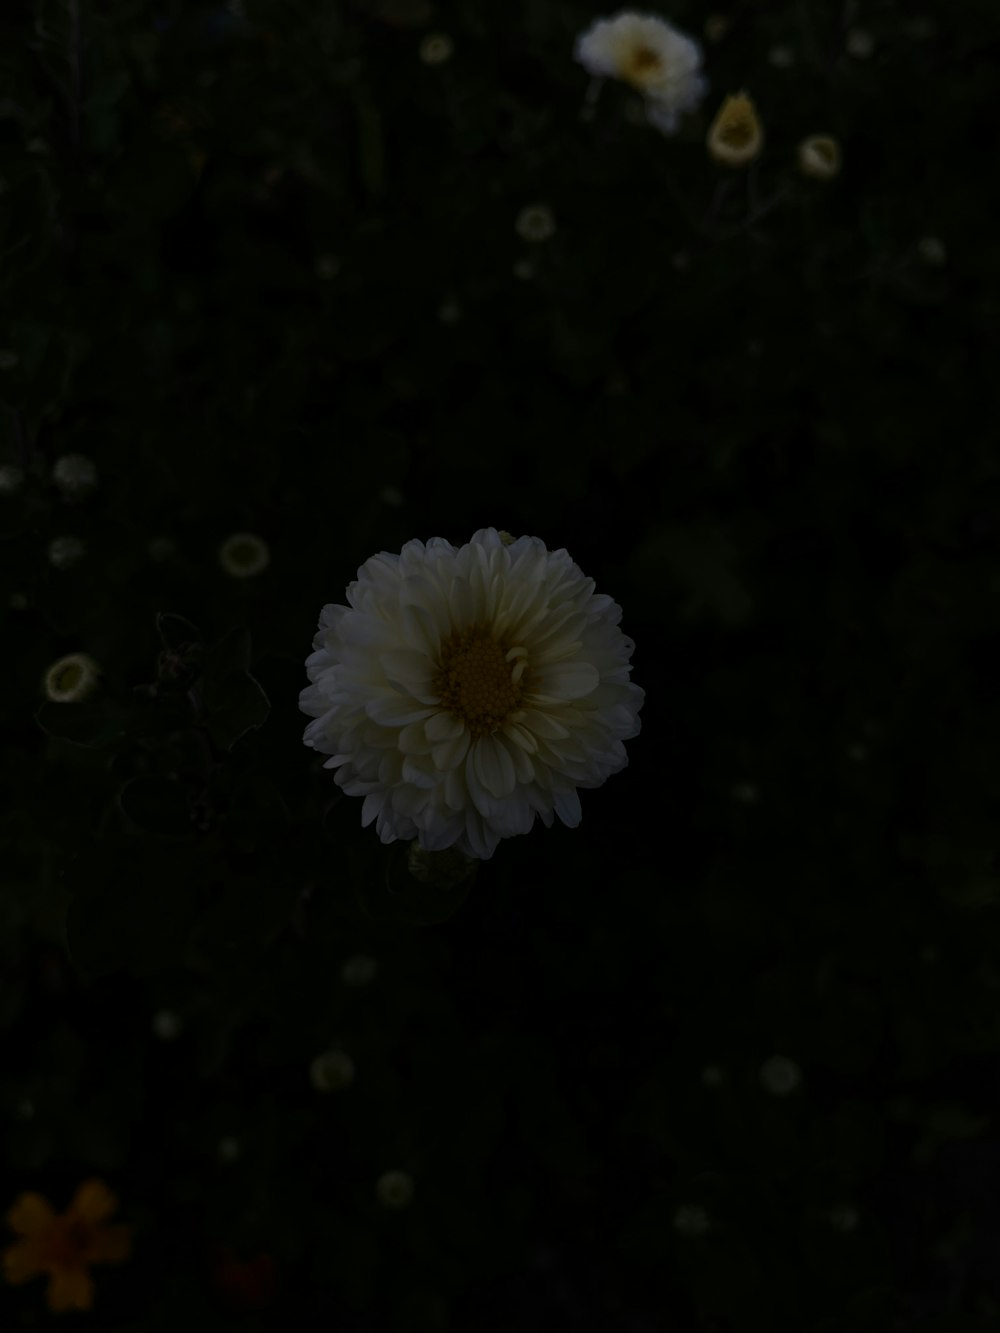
(262, 268)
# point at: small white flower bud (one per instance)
(780, 1076)
(244, 554)
(71, 679)
(359, 970)
(535, 223)
(331, 1071)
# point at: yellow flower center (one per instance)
(68, 677)
(643, 61)
(738, 133)
(480, 679)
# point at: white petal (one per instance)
(444, 726)
(566, 802)
(450, 754)
(395, 710)
(493, 766)
(407, 667)
(569, 680)
(371, 807)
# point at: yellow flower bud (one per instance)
(735, 136)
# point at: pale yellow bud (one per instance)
(735, 136)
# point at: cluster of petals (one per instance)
(535, 703)
(650, 55)
(65, 1245)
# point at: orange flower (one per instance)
(63, 1246)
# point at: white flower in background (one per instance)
(331, 1070)
(359, 970)
(860, 43)
(735, 136)
(394, 1189)
(535, 223)
(781, 57)
(780, 1076)
(466, 690)
(436, 48)
(75, 475)
(244, 554)
(931, 250)
(65, 551)
(651, 56)
(11, 478)
(819, 157)
(71, 679)
(691, 1219)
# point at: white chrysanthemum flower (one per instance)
(466, 690)
(71, 679)
(649, 54)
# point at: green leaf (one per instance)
(93, 723)
(134, 901)
(157, 805)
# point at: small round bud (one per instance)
(359, 970)
(64, 552)
(244, 554)
(436, 48)
(394, 1189)
(535, 223)
(780, 1076)
(166, 1025)
(331, 1071)
(71, 678)
(75, 475)
(691, 1219)
(11, 478)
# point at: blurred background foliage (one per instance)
(726, 1056)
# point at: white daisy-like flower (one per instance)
(648, 53)
(466, 690)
